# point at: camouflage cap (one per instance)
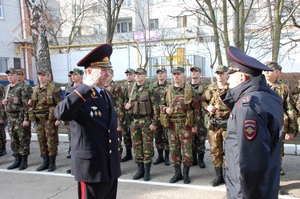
(12, 70)
(78, 71)
(272, 64)
(130, 70)
(141, 71)
(70, 73)
(221, 69)
(195, 68)
(20, 72)
(161, 70)
(43, 71)
(178, 70)
(111, 71)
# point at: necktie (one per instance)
(103, 95)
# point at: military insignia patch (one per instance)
(250, 129)
(94, 107)
(94, 95)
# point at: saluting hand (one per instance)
(93, 75)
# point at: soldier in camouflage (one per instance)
(45, 97)
(160, 135)
(2, 124)
(114, 89)
(16, 108)
(216, 116)
(290, 113)
(124, 120)
(180, 103)
(199, 137)
(144, 122)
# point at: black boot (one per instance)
(177, 176)
(195, 162)
(140, 172)
(128, 155)
(147, 172)
(17, 162)
(200, 160)
(45, 163)
(186, 177)
(52, 165)
(219, 178)
(23, 162)
(160, 157)
(2, 152)
(69, 152)
(167, 158)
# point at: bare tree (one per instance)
(38, 24)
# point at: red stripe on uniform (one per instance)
(82, 188)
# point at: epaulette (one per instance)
(246, 99)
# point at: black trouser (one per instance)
(100, 190)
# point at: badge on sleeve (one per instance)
(250, 129)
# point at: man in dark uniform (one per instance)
(93, 123)
(254, 130)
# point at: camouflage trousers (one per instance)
(126, 135)
(2, 136)
(142, 140)
(20, 136)
(47, 134)
(161, 138)
(216, 137)
(199, 140)
(180, 139)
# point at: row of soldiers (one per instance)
(173, 115)
(179, 115)
(22, 105)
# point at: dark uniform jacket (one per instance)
(253, 140)
(95, 152)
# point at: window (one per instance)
(154, 24)
(17, 63)
(77, 31)
(97, 29)
(126, 3)
(124, 26)
(3, 64)
(181, 21)
(96, 7)
(76, 9)
(1, 10)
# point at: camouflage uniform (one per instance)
(199, 137)
(45, 100)
(217, 126)
(2, 125)
(290, 113)
(180, 135)
(17, 111)
(296, 100)
(160, 135)
(124, 120)
(143, 116)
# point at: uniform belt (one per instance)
(139, 116)
(177, 120)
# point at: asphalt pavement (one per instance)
(29, 184)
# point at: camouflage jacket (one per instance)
(199, 88)
(290, 113)
(139, 96)
(112, 88)
(157, 91)
(2, 111)
(121, 94)
(44, 101)
(211, 95)
(18, 99)
(176, 100)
